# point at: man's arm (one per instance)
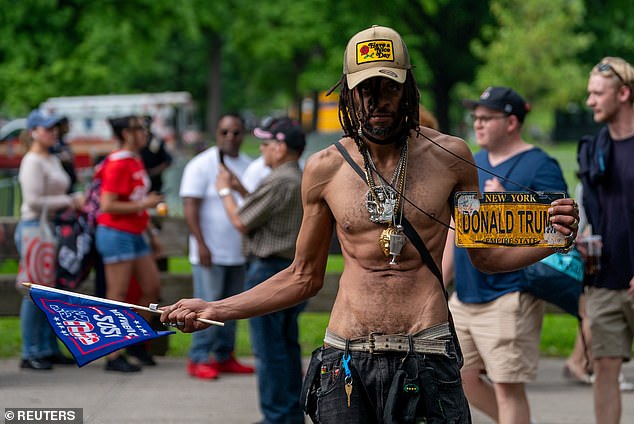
(448, 271)
(224, 187)
(300, 281)
(564, 215)
(191, 211)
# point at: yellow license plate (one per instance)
(505, 219)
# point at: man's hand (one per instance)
(631, 289)
(564, 215)
(183, 314)
(493, 184)
(223, 179)
(204, 255)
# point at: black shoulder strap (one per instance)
(409, 230)
(411, 233)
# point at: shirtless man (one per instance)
(361, 375)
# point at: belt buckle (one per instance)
(371, 341)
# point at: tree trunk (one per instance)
(441, 99)
(214, 83)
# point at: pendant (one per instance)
(397, 241)
(384, 239)
(382, 209)
(392, 241)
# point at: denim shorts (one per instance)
(118, 246)
(385, 388)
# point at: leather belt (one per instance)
(434, 340)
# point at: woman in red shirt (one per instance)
(122, 221)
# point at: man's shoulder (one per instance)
(202, 157)
(209, 151)
(430, 137)
(430, 144)
(536, 153)
(329, 159)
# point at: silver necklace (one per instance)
(383, 201)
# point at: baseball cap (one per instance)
(282, 129)
(40, 118)
(504, 99)
(375, 52)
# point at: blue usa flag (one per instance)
(91, 327)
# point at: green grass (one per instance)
(9, 266)
(558, 335)
(10, 338)
(181, 265)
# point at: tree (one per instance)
(534, 48)
(70, 47)
(611, 23)
(441, 31)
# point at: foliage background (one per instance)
(268, 55)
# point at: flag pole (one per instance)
(112, 302)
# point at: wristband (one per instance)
(224, 192)
(570, 243)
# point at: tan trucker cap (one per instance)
(375, 52)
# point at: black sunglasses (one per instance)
(235, 133)
(605, 67)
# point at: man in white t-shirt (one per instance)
(254, 174)
(218, 266)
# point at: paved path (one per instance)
(165, 394)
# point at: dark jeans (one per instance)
(274, 339)
(213, 283)
(386, 388)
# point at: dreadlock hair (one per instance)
(351, 118)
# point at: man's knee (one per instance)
(607, 365)
(509, 392)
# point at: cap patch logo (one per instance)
(375, 51)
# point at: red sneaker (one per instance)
(202, 371)
(232, 366)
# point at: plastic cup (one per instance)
(592, 245)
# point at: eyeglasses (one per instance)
(606, 67)
(486, 118)
(235, 133)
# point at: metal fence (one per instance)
(10, 196)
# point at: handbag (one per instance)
(38, 251)
(76, 249)
(557, 279)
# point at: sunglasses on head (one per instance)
(605, 67)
